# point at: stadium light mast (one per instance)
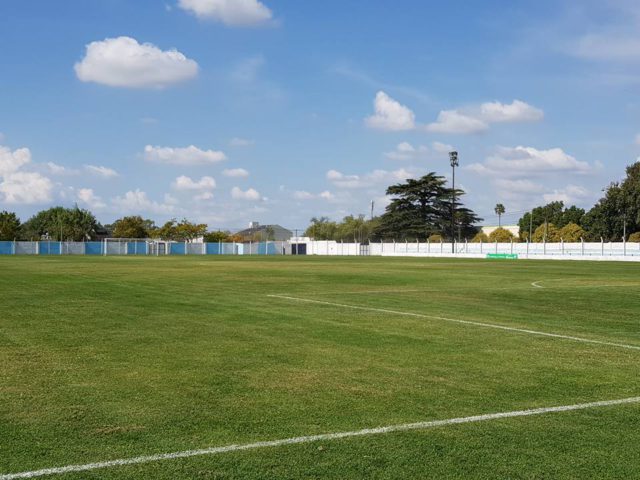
(453, 159)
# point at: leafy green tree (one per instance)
(572, 232)
(218, 236)
(501, 235)
(180, 232)
(435, 238)
(422, 207)
(619, 208)
(499, 209)
(480, 237)
(554, 213)
(321, 229)
(132, 227)
(9, 226)
(59, 223)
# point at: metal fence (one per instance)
(129, 247)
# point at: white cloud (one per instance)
(235, 173)
(230, 12)
(26, 188)
(569, 195)
(100, 171)
(442, 148)
(519, 187)
(123, 62)
(528, 160)
(86, 196)
(249, 194)
(240, 142)
(406, 151)
(56, 169)
(190, 155)
(186, 183)
(516, 111)
(453, 121)
(12, 161)
(369, 179)
(203, 196)
(138, 202)
(303, 195)
(390, 115)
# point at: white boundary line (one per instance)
(314, 438)
(537, 284)
(463, 322)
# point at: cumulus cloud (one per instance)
(528, 160)
(304, 195)
(442, 148)
(242, 13)
(454, 121)
(86, 196)
(190, 155)
(406, 151)
(26, 188)
(239, 194)
(186, 183)
(104, 172)
(123, 62)
(390, 115)
(375, 177)
(12, 161)
(235, 173)
(516, 111)
(569, 195)
(137, 201)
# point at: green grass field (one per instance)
(111, 358)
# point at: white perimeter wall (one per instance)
(629, 251)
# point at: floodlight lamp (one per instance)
(453, 157)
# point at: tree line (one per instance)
(79, 225)
(421, 209)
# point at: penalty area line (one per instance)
(460, 321)
(315, 438)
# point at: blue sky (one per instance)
(227, 111)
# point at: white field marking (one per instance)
(315, 438)
(537, 285)
(463, 322)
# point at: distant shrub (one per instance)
(634, 237)
(500, 235)
(435, 238)
(546, 232)
(572, 232)
(480, 237)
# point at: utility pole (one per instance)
(530, 225)
(453, 159)
(372, 205)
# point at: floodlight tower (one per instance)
(453, 158)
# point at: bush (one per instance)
(552, 233)
(572, 233)
(501, 235)
(480, 237)
(435, 238)
(634, 237)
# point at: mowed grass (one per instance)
(107, 358)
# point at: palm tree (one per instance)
(499, 211)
